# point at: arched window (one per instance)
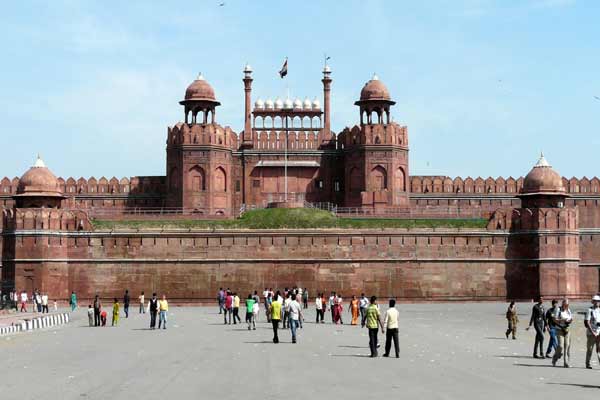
(378, 178)
(399, 179)
(197, 179)
(220, 180)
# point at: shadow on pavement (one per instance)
(575, 384)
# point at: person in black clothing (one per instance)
(538, 320)
(126, 300)
(153, 310)
(97, 307)
(551, 327)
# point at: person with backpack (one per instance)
(563, 319)
(592, 330)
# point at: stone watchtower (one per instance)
(376, 153)
(543, 243)
(35, 249)
(199, 155)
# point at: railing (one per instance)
(155, 211)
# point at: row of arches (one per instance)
(377, 179)
(196, 179)
(277, 122)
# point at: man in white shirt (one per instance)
(319, 308)
(23, 301)
(295, 315)
(331, 304)
(286, 309)
(363, 303)
(45, 303)
(592, 325)
(391, 329)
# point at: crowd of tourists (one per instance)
(556, 321)
(156, 308)
(284, 310)
(36, 302)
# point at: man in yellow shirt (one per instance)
(373, 322)
(163, 307)
(275, 311)
(236, 309)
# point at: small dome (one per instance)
(259, 105)
(247, 69)
(374, 90)
(278, 103)
(39, 181)
(543, 179)
(297, 104)
(200, 90)
(326, 70)
(307, 104)
(288, 103)
(316, 104)
(269, 105)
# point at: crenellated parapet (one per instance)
(29, 219)
(198, 134)
(535, 219)
(500, 185)
(384, 134)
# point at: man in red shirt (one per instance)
(228, 307)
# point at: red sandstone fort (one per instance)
(542, 235)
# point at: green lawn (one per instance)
(299, 218)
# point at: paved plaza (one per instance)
(448, 351)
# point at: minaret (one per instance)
(247, 139)
(326, 100)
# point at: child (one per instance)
(115, 319)
(103, 317)
(91, 315)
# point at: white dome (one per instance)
(259, 104)
(288, 103)
(278, 103)
(248, 68)
(298, 104)
(307, 104)
(316, 104)
(269, 104)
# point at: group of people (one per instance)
(39, 301)
(97, 316)
(284, 309)
(557, 321)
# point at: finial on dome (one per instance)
(200, 77)
(247, 68)
(39, 163)
(542, 162)
(375, 77)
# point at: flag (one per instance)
(283, 71)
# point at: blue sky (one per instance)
(482, 85)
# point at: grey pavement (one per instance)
(448, 351)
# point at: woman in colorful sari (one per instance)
(354, 310)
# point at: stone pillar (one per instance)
(326, 131)
(247, 139)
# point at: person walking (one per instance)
(592, 330)
(250, 311)
(73, 301)
(228, 307)
(551, 328)
(142, 299)
(331, 305)
(295, 315)
(90, 313)
(275, 312)
(539, 324)
(353, 309)
(126, 300)
(390, 322)
(373, 322)
(97, 307)
(153, 309)
(236, 309)
(305, 298)
(37, 298)
(115, 312)
(286, 310)
(23, 301)
(255, 310)
(221, 300)
(563, 319)
(513, 320)
(163, 308)
(319, 307)
(45, 303)
(363, 303)
(268, 301)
